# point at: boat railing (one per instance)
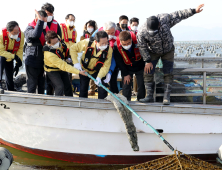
(199, 59)
(202, 72)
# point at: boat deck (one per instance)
(88, 103)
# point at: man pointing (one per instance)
(155, 41)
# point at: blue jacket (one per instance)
(33, 53)
(113, 62)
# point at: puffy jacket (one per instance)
(33, 53)
(162, 42)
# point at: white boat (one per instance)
(91, 131)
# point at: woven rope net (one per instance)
(177, 161)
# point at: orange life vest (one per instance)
(123, 53)
(65, 33)
(6, 41)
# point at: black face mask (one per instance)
(124, 26)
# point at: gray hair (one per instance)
(108, 25)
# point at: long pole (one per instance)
(138, 116)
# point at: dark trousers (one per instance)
(49, 86)
(113, 82)
(127, 91)
(167, 60)
(84, 85)
(61, 83)
(8, 68)
(35, 78)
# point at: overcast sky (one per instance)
(204, 26)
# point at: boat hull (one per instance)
(93, 159)
(92, 131)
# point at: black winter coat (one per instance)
(34, 54)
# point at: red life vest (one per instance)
(42, 38)
(86, 35)
(65, 34)
(54, 26)
(132, 30)
(123, 53)
(6, 41)
(112, 41)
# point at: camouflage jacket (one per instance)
(162, 42)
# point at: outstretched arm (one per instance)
(176, 17)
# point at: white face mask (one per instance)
(90, 30)
(134, 28)
(57, 45)
(13, 36)
(45, 25)
(112, 37)
(103, 47)
(70, 23)
(153, 33)
(49, 18)
(127, 47)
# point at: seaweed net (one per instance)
(177, 161)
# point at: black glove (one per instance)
(18, 64)
(84, 33)
(16, 70)
(18, 61)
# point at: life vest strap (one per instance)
(55, 51)
(89, 55)
(50, 67)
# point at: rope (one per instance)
(175, 152)
(175, 162)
